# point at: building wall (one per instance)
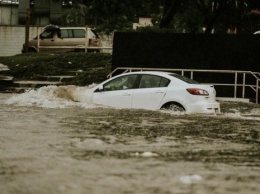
(143, 22)
(9, 15)
(12, 39)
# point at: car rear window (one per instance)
(153, 81)
(185, 79)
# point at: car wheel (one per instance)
(174, 107)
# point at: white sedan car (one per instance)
(156, 90)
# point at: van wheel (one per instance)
(79, 50)
(174, 107)
(93, 51)
(31, 50)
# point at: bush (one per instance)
(95, 66)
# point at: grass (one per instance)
(94, 67)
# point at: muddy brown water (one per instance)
(78, 150)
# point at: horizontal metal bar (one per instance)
(71, 47)
(187, 70)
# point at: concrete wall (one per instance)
(12, 39)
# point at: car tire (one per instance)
(174, 107)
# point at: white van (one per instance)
(63, 39)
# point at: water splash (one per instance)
(68, 96)
(3, 67)
(55, 97)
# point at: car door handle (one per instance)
(126, 94)
(159, 92)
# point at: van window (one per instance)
(72, 33)
(78, 33)
(66, 33)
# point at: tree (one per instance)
(170, 8)
(230, 14)
(180, 15)
(211, 10)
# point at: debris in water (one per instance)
(188, 179)
(145, 154)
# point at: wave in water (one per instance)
(55, 97)
(67, 96)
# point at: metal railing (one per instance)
(245, 75)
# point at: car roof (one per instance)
(62, 27)
(160, 73)
(73, 28)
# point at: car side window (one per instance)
(121, 83)
(153, 81)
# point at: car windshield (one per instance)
(185, 79)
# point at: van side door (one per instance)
(47, 39)
(70, 39)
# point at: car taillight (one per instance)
(196, 91)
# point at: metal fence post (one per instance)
(257, 90)
(27, 29)
(244, 82)
(38, 39)
(86, 39)
(235, 86)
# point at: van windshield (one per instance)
(47, 34)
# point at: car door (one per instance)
(150, 93)
(116, 93)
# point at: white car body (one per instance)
(257, 32)
(165, 90)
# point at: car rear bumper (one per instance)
(208, 108)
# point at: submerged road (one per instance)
(78, 149)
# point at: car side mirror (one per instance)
(100, 88)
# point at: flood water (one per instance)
(54, 141)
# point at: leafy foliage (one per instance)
(189, 16)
